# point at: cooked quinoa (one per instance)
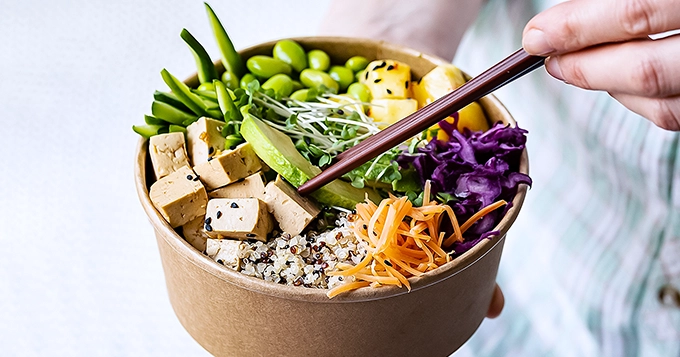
(303, 260)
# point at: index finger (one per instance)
(577, 24)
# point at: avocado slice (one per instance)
(277, 150)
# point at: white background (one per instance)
(80, 273)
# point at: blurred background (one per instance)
(80, 273)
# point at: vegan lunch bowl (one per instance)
(398, 257)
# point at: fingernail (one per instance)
(552, 65)
(535, 42)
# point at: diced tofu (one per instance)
(391, 111)
(224, 251)
(292, 211)
(179, 197)
(250, 187)
(229, 166)
(204, 139)
(194, 233)
(240, 218)
(168, 153)
(388, 79)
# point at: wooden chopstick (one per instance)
(514, 66)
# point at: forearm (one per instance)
(433, 26)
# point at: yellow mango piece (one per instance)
(436, 83)
(387, 79)
(471, 117)
(389, 111)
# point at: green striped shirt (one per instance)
(599, 235)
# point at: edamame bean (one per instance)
(247, 78)
(280, 83)
(297, 85)
(292, 53)
(343, 75)
(359, 91)
(300, 94)
(313, 78)
(207, 86)
(230, 80)
(356, 63)
(266, 67)
(318, 60)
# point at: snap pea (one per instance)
(356, 63)
(177, 129)
(170, 98)
(318, 60)
(343, 75)
(265, 66)
(297, 85)
(313, 79)
(230, 80)
(230, 58)
(247, 78)
(206, 69)
(169, 113)
(151, 120)
(206, 94)
(300, 94)
(207, 86)
(280, 83)
(184, 94)
(148, 131)
(360, 91)
(227, 106)
(292, 53)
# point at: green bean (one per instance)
(207, 86)
(265, 66)
(356, 63)
(169, 113)
(230, 80)
(170, 98)
(313, 79)
(292, 53)
(359, 91)
(184, 94)
(300, 94)
(280, 83)
(177, 129)
(343, 75)
(148, 131)
(206, 69)
(206, 94)
(151, 120)
(230, 58)
(318, 60)
(297, 85)
(247, 78)
(227, 106)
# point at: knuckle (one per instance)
(648, 78)
(574, 73)
(663, 115)
(635, 17)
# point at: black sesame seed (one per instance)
(380, 65)
(406, 84)
(387, 262)
(211, 150)
(365, 226)
(341, 112)
(218, 215)
(388, 91)
(366, 76)
(208, 220)
(250, 235)
(377, 80)
(234, 205)
(232, 147)
(208, 228)
(196, 178)
(220, 261)
(189, 177)
(210, 158)
(390, 67)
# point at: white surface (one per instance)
(80, 273)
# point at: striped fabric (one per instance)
(599, 234)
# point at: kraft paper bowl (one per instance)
(231, 314)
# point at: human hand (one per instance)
(605, 45)
(497, 302)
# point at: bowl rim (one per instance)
(459, 264)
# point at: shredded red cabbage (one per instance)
(476, 169)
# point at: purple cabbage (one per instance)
(476, 168)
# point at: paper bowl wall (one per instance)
(231, 314)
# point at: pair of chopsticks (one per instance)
(513, 67)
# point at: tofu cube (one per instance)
(224, 251)
(204, 139)
(229, 166)
(194, 233)
(179, 197)
(240, 218)
(250, 187)
(292, 211)
(387, 79)
(168, 153)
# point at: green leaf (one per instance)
(358, 182)
(324, 160)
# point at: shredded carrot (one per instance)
(403, 241)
